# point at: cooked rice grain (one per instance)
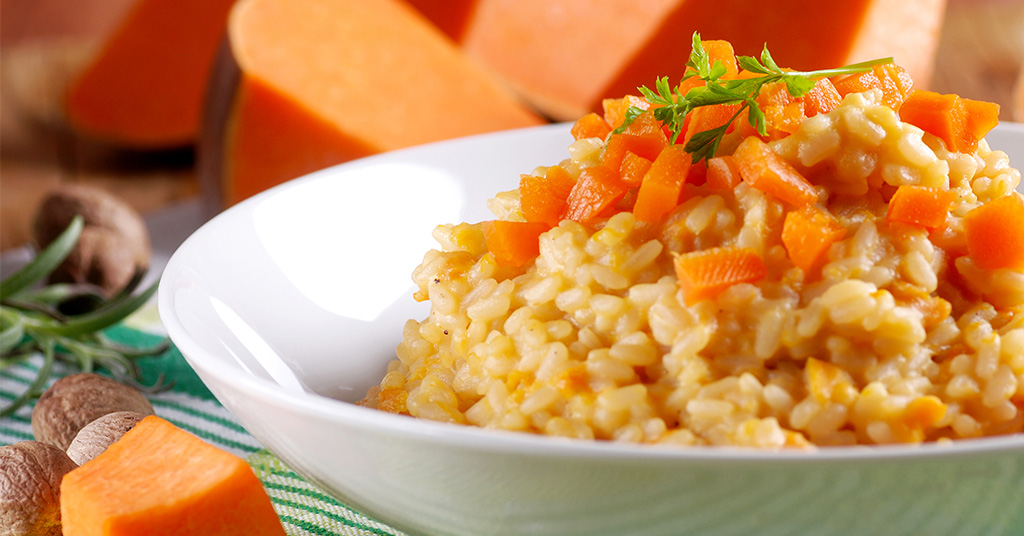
(893, 342)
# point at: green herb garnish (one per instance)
(66, 321)
(672, 106)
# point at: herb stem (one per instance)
(44, 320)
(45, 262)
(852, 68)
(672, 107)
(36, 387)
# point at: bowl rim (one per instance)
(501, 441)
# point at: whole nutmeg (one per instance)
(75, 401)
(114, 242)
(30, 476)
(100, 257)
(96, 436)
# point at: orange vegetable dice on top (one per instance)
(718, 51)
(722, 173)
(995, 233)
(597, 189)
(960, 123)
(633, 169)
(822, 98)
(784, 113)
(659, 191)
(807, 234)
(513, 243)
(709, 118)
(590, 126)
(543, 199)
(922, 206)
(160, 480)
(896, 84)
(648, 146)
(765, 170)
(704, 274)
(615, 109)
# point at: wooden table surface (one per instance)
(980, 56)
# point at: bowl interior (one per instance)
(308, 285)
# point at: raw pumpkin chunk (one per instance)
(450, 16)
(567, 60)
(800, 34)
(160, 480)
(561, 59)
(145, 87)
(305, 84)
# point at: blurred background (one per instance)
(45, 43)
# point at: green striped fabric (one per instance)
(303, 508)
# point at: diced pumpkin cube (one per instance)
(160, 480)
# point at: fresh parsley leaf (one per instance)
(704, 144)
(672, 106)
(748, 63)
(798, 86)
(699, 58)
(766, 59)
(717, 71)
(757, 120)
(631, 114)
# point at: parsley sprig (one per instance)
(66, 321)
(671, 106)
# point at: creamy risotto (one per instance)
(872, 304)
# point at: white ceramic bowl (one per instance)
(290, 304)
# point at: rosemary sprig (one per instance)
(66, 321)
(671, 106)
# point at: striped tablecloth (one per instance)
(304, 509)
